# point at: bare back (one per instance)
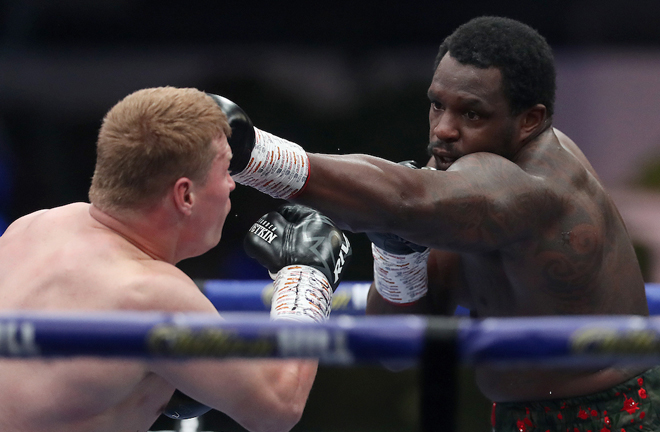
(58, 260)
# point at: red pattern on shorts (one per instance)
(628, 405)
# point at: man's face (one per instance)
(469, 113)
(213, 195)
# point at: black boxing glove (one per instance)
(241, 140)
(181, 407)
(261, 160)
(308, 254)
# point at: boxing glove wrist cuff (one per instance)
(400, 279)
(277, 167)
(301, 293)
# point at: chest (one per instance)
(489, 290)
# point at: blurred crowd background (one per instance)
(336, 77)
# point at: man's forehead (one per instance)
(222, 145)
(468, 80)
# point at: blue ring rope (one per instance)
(349, 299)
(540, 341)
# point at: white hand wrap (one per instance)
(400, 279)
(277, 167)
(302, 293)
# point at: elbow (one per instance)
(289, 419)
(280, 418)
(283, 419)
(289, 416)
(278, 406)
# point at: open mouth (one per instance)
(444, 162)
(443, 156)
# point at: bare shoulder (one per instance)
(565, 140)
(570, 145)
(497, 202)
(162, 286)
(489, 173)
(56, 212)
(24, 221)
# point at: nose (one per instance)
(232, 183)
(444, 127)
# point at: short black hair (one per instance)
(521, 54)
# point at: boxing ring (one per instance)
(435, 345)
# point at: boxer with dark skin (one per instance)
(519, 222)
(516, 218)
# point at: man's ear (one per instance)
(532, 122)
(183, 195)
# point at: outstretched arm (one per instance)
(482, 202)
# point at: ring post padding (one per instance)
(439, 376)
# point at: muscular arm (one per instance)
(261, 395)
(481, 203)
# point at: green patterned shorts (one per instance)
(631, 406)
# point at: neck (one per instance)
(143, 229)
(544, 126)
(537, 132)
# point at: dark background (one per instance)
(64, 63)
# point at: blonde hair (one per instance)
(149, 140)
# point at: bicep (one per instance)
(482, 203)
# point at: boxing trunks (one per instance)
(631, 406)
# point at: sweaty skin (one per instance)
(77, 257)
(519, 223)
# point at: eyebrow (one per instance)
(473, 103)
(469, 102)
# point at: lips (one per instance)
(444, 162)
(443, 158)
